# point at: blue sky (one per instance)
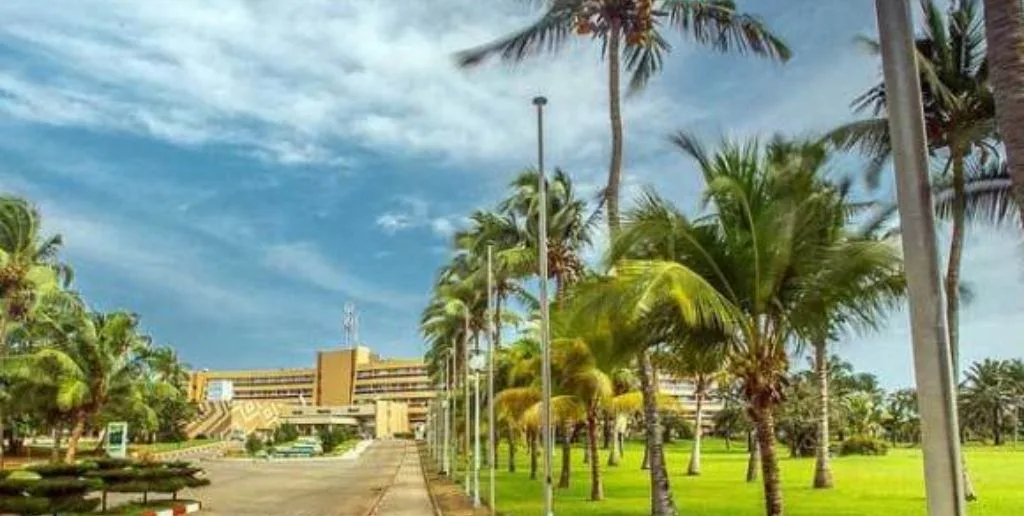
(235, 171)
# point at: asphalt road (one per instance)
(300, 488)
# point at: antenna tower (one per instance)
(350, 323)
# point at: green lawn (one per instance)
(889, 486)
(164, 447)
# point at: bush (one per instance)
(331, 439)
(253, 444)
(863, 445)
(286, 433)
(404, 435)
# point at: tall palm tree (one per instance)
(569, 228)
(959, 119)
(1004, 29)
(29, 266)
(630, 34)
(760, 248)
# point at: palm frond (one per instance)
(717, 24)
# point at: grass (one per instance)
(165, 447)
(342, 448)
(891, 485)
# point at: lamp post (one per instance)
(492, 427)
(542, 245)
(465, 404)
(446, 460)
(933, 371)
(476, 365)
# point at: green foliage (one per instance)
(61, 469)
(253, 444)
(286, 433)
(404, 435)
(863, 445)
(331, 439)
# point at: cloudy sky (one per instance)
(236, 171)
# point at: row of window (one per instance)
(276, 393)
(395, 387)
(272, 380)
(391, 373)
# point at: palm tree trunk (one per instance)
(822, 468)
(606, 435)
(956, 246)
(614, 454)
(765, 423)
(1004, 28)
(596, 485)
(511, 451)
(76, 435)
(496, 338)
(662, 503)
(533, 455)
(566, 472)
(694, 469)
(752, 459)
(997, 426)
(55, 450)
(611, 193)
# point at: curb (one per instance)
(187, 452)
(426, 481)
(185, 508)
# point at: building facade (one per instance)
(339, 378)
(682, 391)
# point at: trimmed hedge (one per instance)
(61, 488)
(863, 445)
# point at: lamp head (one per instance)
(540, 100)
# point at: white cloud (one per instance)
(293, 79)
(305, 262)
(442, 227)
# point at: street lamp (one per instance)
(492, 428)
(545, 338)
(933, 370)
(476, 366)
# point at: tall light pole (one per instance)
(465, 404)
(446, 459)
(492, 428)
(545, 339)
(932, 361)
(477, 366)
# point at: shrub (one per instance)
(404, 435)
(286, 433)
(331, 439)
(54, 495)
(253, 444)
(863, 445)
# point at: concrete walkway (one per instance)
(408, 495)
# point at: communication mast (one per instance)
(350, 324)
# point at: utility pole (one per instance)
(545, 338)
(492, 427)
(933, 370)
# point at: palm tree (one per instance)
(901, 420)
(633, 329)
(700, 366)
(763, 244)
(988, 194)
(101, 364)
(712, 23)
(569, 228)
(987, 395)
(29, 267)
(959, 119)
(1004, 28)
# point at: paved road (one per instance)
(304, 488)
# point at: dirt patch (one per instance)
(447, 495)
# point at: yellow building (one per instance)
(339, 378)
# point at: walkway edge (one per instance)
(426, 481)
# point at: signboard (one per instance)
(117, 440)
(220, 390)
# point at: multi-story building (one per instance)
(340, 377)
(683, 392)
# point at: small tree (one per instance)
(253, 444)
